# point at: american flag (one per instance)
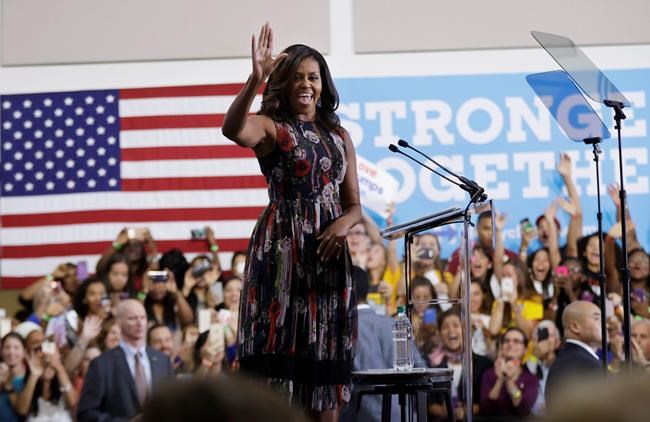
(77, 167)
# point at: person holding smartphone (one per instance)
(546, 341)
(48, 392)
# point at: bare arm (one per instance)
(553, 247)
(252, 131)
(575, 225)
(496, 319)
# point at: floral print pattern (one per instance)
(298, 314)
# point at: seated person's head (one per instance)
(546, 339)
(451, 330)
(227, 399)
(160, 338)
(641, 336)
(639, 264)
(513, 344)
(422, 292)
(484, 229)
(581, 321)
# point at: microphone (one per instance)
(477, 191)
(464, 187)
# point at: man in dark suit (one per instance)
(577, 356)
(374, 349)
(119, 381)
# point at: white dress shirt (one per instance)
(130, 352)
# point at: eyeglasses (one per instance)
(512, 340)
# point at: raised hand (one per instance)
(35, 363)
(4, 373)
(612, 191)
(262, 54)
(91, 328)
(500, 222)
(550, 212)
(567, 205)
(564, 165)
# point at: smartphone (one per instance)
(217, 292)
(5, 326)
(158, 276)
(204, 320)
(198, 233)
(201, 267)
(526, 225)
(82, 270)
(216, 339)
(562, 271)
(424, 253)
(542, 333)
(507, 285)
(135, 233)
(429, 316)
(48, 347)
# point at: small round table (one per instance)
(414, 383)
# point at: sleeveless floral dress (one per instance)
(297, 323)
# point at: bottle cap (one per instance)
(401, 309)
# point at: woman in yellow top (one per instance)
(518, 305)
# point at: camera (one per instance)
(198, 233)
(424, 253)
(542, 333)
(158, 276)
(201, 267)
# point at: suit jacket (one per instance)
(109, 392)
(571, 361)
(375, 351)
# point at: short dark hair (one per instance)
(151, 330)
(485, 214)
(446, 314)
(517, 329)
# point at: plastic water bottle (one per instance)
(402, 342)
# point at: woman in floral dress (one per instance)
(297, 324)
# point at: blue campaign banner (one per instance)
(495, 130)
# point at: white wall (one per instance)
(342, 61)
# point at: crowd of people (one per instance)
(58, 361)
(535, 313)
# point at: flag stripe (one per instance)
(235, 183)
(224, 198)
(56, 234)
(181, 91)
(171, 122)
(66, 249)
(190, 168)
(186, 153)
(121, 215)
(172, 137)
(179, 106)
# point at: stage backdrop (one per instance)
(77, 167)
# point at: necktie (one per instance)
(140, 379)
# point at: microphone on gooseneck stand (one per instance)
(477, 192)
(464, 187)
